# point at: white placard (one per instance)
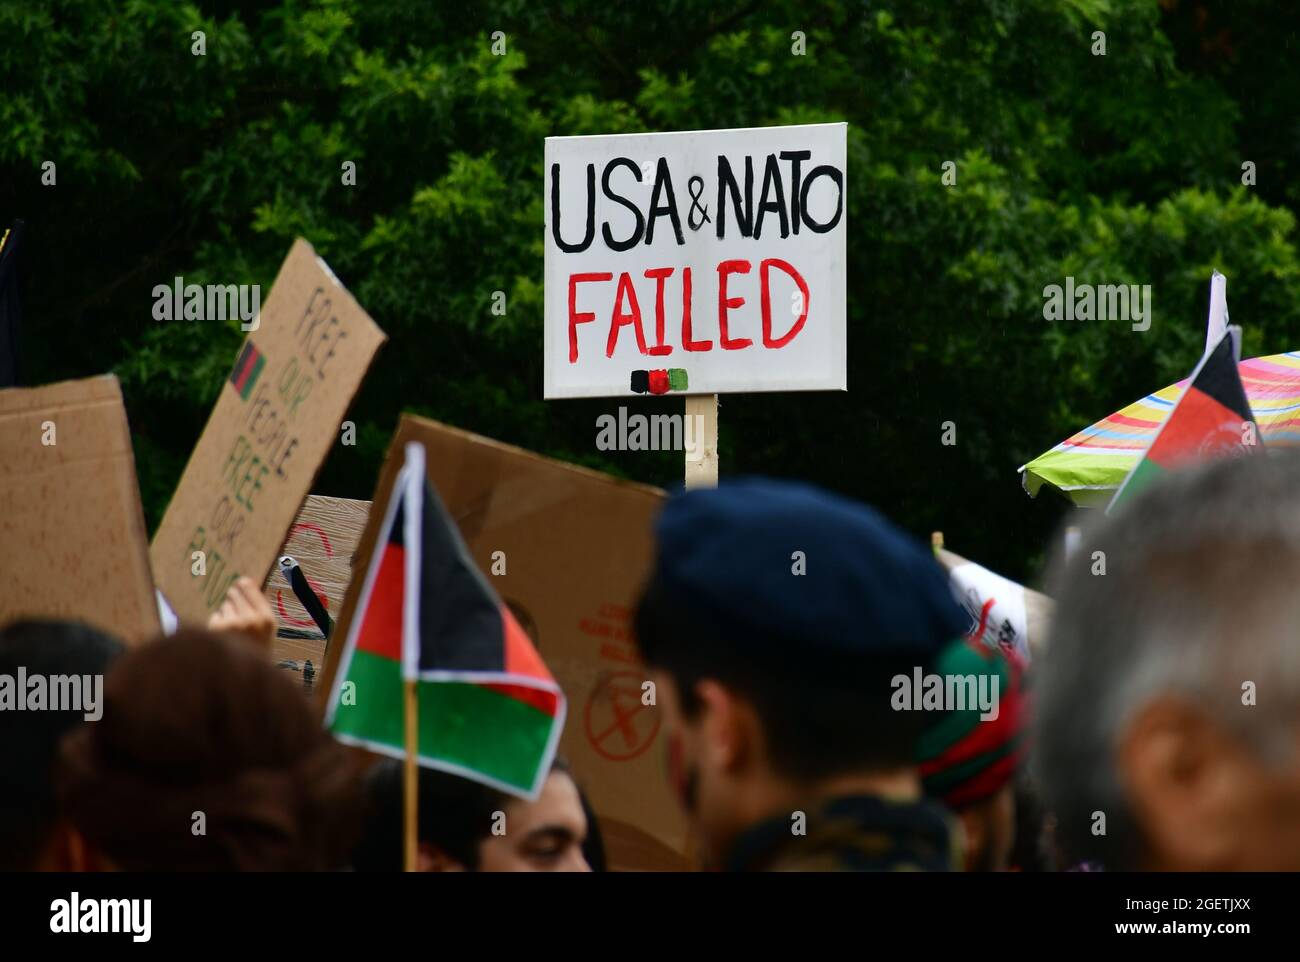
(996, 606)
(756, 219)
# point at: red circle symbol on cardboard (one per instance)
(618, 726)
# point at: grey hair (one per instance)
(1199, 595)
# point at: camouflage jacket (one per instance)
(860, 833)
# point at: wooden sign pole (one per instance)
(702, 463)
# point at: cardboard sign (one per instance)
(322, 539)
(567, 549)
(70, 520)
(701, 262)
(277, 417)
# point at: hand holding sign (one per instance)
(245, 612)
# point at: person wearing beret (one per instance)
(774, 619)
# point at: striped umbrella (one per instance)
(1089, 466)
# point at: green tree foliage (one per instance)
(1117, 168)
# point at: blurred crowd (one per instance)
(824, 703)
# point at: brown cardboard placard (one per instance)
(276, 419)
(322, 539)
(577, 546)
(70, 519)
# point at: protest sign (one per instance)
(322, 539)
(277, 417)
(70, 519)
(706, 262)
(567, 549)
(1004, 614)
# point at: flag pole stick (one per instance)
(410, 776)
(702, 463)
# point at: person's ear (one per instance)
(1182, 776)
(730, 730)
(430, 858)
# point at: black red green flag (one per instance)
(1212, 419)
(489, 708)
(248, 368)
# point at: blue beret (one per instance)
(867, 588)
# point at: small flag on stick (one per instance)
(488, 707)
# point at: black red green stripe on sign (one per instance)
(660, 381)
(247, 369)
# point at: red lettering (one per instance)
(765, 287)
(576, 318)
(725, 303)
(660, 348)
(687, 343)
(627, 311)
(620, 319)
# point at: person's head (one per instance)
(466, 826)
(970, 752)
(773, 621)
(207, 758)
(66, 657)
(1168, 697)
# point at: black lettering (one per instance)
(834, 175)
(796, 158)
(727, 181)
(636, 211)
(663, 181)
(591, 211)
(307, 311)
(771, 175)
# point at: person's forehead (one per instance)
(557, 805)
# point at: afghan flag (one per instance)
(488, 707)
(1212, 419)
